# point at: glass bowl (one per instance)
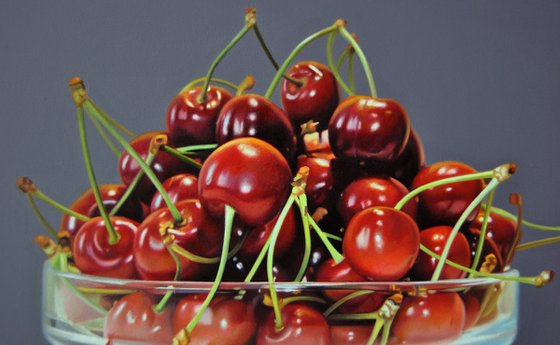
(71, 301)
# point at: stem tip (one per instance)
(340, 22)
(250, 16)
(504, 171)
(76, 81)
(157, 142)
(515, 199)
(26, 185)
(544, 278)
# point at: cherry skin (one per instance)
(472, 309)
(381, 243)
(238, 267)
(191, 123)
(444, 205)
(434, 239)
(411, 160)
(178, 187)
(489, 247)
(227, 321)
(200, 235)
(95, 256)
(320, 180)
(110, 194)
(253, 115)
(248, 174)
(316, 99)
(331, 272)
(373, 191)
(499, 228)
(367, 128)
(436, 319)
(302, 325)
(350, 334)
(133, 318)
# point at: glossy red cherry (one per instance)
(434, 239)
(499, 228)
(191, 123)
(436, 319)
(133, 319)
(317, 97)
(444, 205)
(200, 235)
(489, 247)
(350, 334)
(367, 128)
(238, 267)
(227, 321)
(164, 166)
(248, 174)
(472, 309)
(110, 194)
(178, 187)
(253, 115)
(411, 160)
(95, 256)
(373, 191)
(319, 181)
(331, 272)
(381, 243)
(302, 325)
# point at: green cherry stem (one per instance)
(379, 324)
(367, 69)
(302, 205)
(201, 80)
(294, 299)
(332, 66)
(112, 147)
(538, 243)
(351, 81)
(342, 57)
(345, 299)
(526, 223)
(113, 122)
(194, 148)
(337, 257)
(40, 216)
(181, 156)
(158, 308)
(483, 230)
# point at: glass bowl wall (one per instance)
(69, 320)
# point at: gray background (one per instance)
(480, 80)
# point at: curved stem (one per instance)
(201, 259)
(293, 299)
(106, 139)
(337, 257)
(292, 56)
(113, 235)
(113, 122)
(351, 81)
(375, 331)
(307, 237)
(218, 81)
(515, 199)
(483, 228)
(333, 237)
(345, 299)
(538, 243)
(342, 57)
(158, 308)
(332, 66)
(181, 156)
(191, 148)
(532, 225)
(40, 216)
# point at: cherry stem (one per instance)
(537, 243)
(333, 67)
(114, 237)
(112, 147)
(197, 258)
(250, 21)
(200, 80)
(181, 156)
(192, 148)
(307, 237)
(113, 122)
(40, 216)
(158, 308)
(293, 299)
(342, 57)
(345, 299)
(246, 84)
(333, 237)
(280, 72)
(483, 230)
(367, 70)
(379, 324)
(336, 256)
(529, 224)
(515, 199)
(351, 81)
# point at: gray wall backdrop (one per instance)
(480, 80)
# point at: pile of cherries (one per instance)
(324, 189)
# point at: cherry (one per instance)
(436, 318)
(488, 247)
(253, 115)
(434, 239)
(238, 267)
(472, 309)
(226, 321)
(319, 181)
(350, 334)
(317, 97)
(411, 160)
(302, 325)
(133, 318)
(444, 205)
(248, 174)
(178, 187)
(366, 128)
(93, 254)
(331, 272)
(381, 243)
(499, 228)
(85, 204)
(200, 235)
(192, 123)
(373, 191)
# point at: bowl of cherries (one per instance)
(311, 221)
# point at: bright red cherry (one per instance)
(248, 174)
(178, 187)
(411, 160)
(317, 97)
(227, 321)
(381, 243)
(302, 325)
(434, 239)
(366, 128)
(320, 180)
(110, 194)
(373, 191)
(253, 115)
(191, 123)
(444, 205)
(499, 228)
(94, 255)
(438, 318)
(350, 334)
(133, 319)
(331, 272)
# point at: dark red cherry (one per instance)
(331, 272)
(499, 228)
(436, 319)
(472, 309)
(373, 191)
(489, 247)
(444, 205)
(248, 174)
(227, 321)
(317, 97)
(133, 319)
(302, 325)
(434, 239)
(191, 123)
(381, 243)
(350, 334)
(237, 269)
(411, 160)
(201, 235)
(110, 194)
(253, 115)
(178, 187)
(366, 128)
(95, 256)
(319, 181)
(164, 166)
